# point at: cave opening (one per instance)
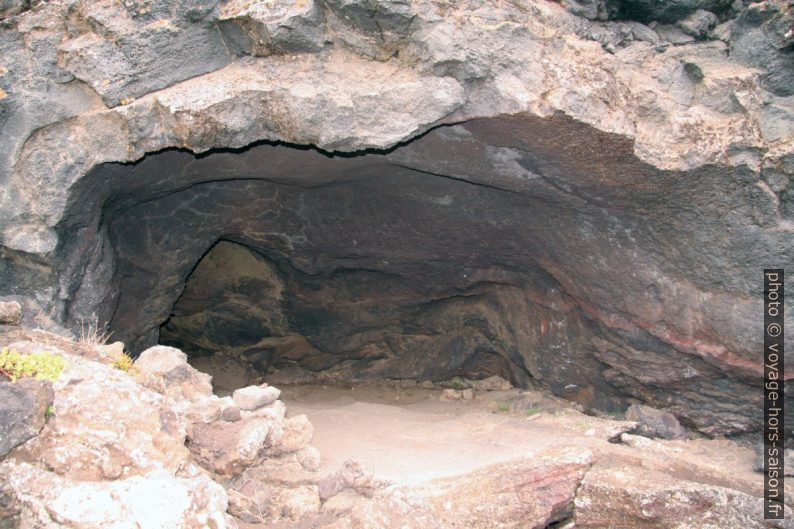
(477, 249)
(243, 315)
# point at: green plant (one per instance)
(457, 383)
(503, 407)
(50, 411)
(534, 410)
(124, 362)
(42, 366)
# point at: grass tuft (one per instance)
(125, 363)
(91, 335)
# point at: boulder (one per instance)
(699, 23)
(298, 432)
(165, 369)
(652, 422)
(309, 458)
(640, 498)
(492, 383)
(530, 492)
(253, 397)
(23, 409)
(352, 476)
(154, 500)
(106, 425)
(761, 37)
(457, 394)
(230, 412)
(227, 448)
(10, 313)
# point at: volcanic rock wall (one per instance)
(582, 198)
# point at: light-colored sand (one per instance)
(407, 436)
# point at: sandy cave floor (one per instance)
(408, 435)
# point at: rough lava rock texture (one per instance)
(23, 409)
(119, 450)
(650, 500)
(415, 189)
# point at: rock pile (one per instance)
(152, 446)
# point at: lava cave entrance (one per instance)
(474, 250)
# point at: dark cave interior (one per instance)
(538, 250)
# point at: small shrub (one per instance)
(458, 383)
(42, 366)
(503, 407)
(534, 410)
(50, 411)
(125, 363)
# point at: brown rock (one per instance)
(493, 383)
(298, 432)
(309, 458)
(638, 498)
(10, 313)
(352, 476)
(527, 493)
(165, 369)
(655, 423)
(228, 448)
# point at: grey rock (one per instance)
(9, 8)
(382, 19)
(698, 24)
(655, 423)
(668, 11)
(228, 448)
(125, 56)
(9, 506)
(23, 409)
(253, 397)
(10, 313)
(761, 36)
(673, 34)
(275, 27)
(592, 9)
(157, 498)
(723, 31)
